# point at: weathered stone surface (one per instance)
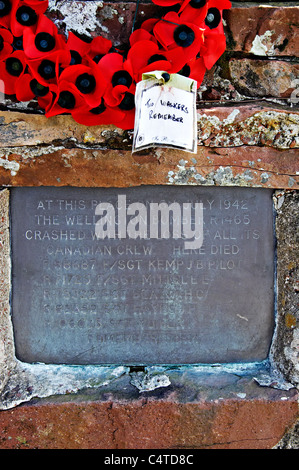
(113, 20)
(223, 126)
(264, 30)
(6, 335)
(265, 79)
(245, 145)
(245, 166)
(286, 343)
(248, 125)
(291, 438)
(148, 424)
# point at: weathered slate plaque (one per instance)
(147, 275)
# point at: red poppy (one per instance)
(101, 114)
(25, 14)
(148, 25)
(183, 38)
(44, 40)
(88, 80)
(6, 40)
(213, 23)
(194, 11)
(99, 47)
(77, 47)
(6, 7)
(17, 15)
(40, 6)
(128, 120)
(194, 69)
(212, 49)
(119, 75)
(167, 3)
(11, 69)
(143, 34)
(145, 56)
(104, 115)
(215, 41)
(220, 4)
(47, 69)
(66, 100)
(28, 88)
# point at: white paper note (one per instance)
(165, 113)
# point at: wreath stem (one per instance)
(135, 16)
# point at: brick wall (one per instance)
(248, 125)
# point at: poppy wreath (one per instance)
(91, 79)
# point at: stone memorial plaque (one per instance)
(145, 275)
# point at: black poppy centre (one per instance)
(185, 71)
(122, 77)
(98, 109)
(44, 42)
(14, 66)
(76, 59)
(46, 69)
(66, 100)
(128, 102)
(213, 18)
(86, 83)
(18, 43)
(184, 36)
(38, 89)
(197, 3)
(26, 16)
(156, 58)
(5, 8)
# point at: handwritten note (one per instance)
(165, 114)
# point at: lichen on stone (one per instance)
(270, 128)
